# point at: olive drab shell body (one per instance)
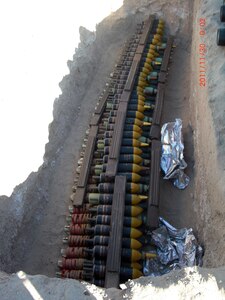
(106, 199)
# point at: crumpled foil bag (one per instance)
(176, 248)
(172, 159)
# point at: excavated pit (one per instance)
(32, 219)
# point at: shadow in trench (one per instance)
(176, 206)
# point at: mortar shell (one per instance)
(73, 274)
(133, 142)
(127, 254)
(78, 229)
(76, 240)
(78, 210)
(73, 252)
(106, 199)
(132, 188)
(133, 265)
(136, 121)
(150, 90)
(133, 158)
(130, 210)
(131, 168)
(71, 264)
(127, 221)
(105, 230)
(131, 150)
(78, 218)
(135, 178)
(130, 273)
(152, 76)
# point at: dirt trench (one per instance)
(201, 206)
(44, 249)
(176, 206)
(34, 216)
(209, 123)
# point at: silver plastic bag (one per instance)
(172, 159)
(176, 248)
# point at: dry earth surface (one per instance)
(32, 219)
(190, 283)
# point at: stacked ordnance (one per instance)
(79, 229)
(88, 229)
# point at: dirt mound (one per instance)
(190, 283)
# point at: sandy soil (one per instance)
(39, 206)
(176, 206)
(190, 283)
(209, 122)
(32, 219)
(93, 62)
